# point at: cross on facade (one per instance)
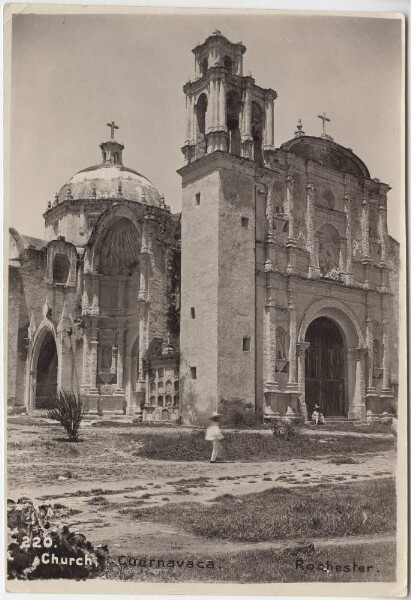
(112, 126)
(325, 120)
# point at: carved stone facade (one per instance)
(94, 295)
(295, 235)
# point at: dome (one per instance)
(328, 153)
(109, 181)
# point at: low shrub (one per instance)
(283, 428)
(236, 414)
(68, 410)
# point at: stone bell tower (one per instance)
(228, 151)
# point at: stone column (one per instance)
(144, 262)
(85, 376)
(95, 310)
(290, 209)
(302, 347)
(93, 361)
(371, 392)
(365, 227)
(87, 296)
(386, 389)
(270, 344)
(292, 351)
(370, 346)
(114, 355)
(313, 270)
(120, 362)
(358, 408)
(189, 119)
(349, 280)
(247, 138)
(382, 230)
(222, 110)
(269, 121)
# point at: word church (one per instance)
(275, 288)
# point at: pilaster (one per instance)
(358, 408)
(302, 347)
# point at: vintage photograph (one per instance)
(205, 326)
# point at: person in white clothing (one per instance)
(213, 434)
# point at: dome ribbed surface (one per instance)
(102, 182)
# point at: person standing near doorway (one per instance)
(214, 435)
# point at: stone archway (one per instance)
(351, 348)
(44, 371)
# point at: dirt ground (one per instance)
(101, 480)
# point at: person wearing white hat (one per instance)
(214, 435)
(317, 415)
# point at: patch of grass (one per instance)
(251, 447)
(191, 482)
(327, 510)
(92, 492)
(100, 500)
(343, 460)
(358, 427)
(266, 566)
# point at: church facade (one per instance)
(275, 288)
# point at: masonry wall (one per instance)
(13, 335)
(199, 290)
(236, 286)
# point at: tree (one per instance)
(69, 412)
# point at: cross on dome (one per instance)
(325, 120)
(112, 126)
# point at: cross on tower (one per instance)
(325, 120)
(112, 126)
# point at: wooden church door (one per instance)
(324, 371)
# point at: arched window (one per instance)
(233, 122)
(61, 268)
(228, 63)
(257, 122)
(204, 66)
(165, 415)
(160, 401)
(169, 386)
(152, 400)
(169, 401)
(200, 112)
(176, 386)
(176, 400)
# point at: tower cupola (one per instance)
(226, 111)
(112, 150)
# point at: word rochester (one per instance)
(328, 566)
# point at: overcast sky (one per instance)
(73, 74)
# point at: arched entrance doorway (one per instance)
(46, 373)
(325, 368)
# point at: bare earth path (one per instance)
(104, 505)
